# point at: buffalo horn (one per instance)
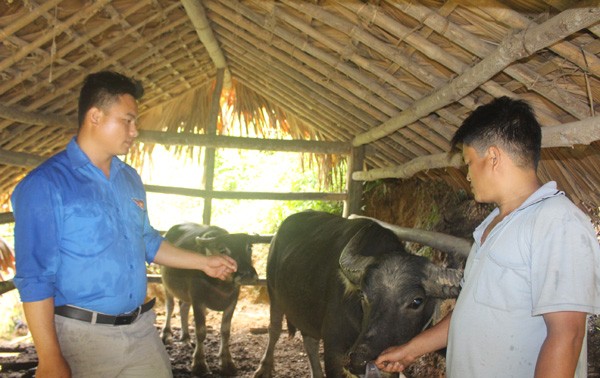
(203, 242)
(437, 240)
(442, 282)
(352, 263)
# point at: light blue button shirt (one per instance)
(80, 237)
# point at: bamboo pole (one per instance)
(307, 196)
(6, 286)
(411, 168)
(513, 48)
(568, 135)
(210, 153)
(6, 218)
(353, 205)
(223, 141)
(197, 15)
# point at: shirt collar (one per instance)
(79, 159)
(546, 191)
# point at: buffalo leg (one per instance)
(227, 365)
(265, 369)
(199, 366)
(166, 330)
(311, 346)
(184, 314)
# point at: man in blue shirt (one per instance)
(82, 241)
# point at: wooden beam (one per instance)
(411, 168)
(221, 141)
(6, 286)
(197, 15)
(311, 196)
(19, 114)
(513, 48)
(20, 159)
(26, 160)
(210, 153)
(355, 189)
(568, 135)
(7, 218)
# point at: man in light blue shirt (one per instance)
(82, 241)
(533, 273)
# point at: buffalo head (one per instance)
(238, 247)
(397, 292)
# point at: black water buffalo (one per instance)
(351, 283)
(196, 288)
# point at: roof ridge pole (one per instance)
(513, 48)
(197, 15)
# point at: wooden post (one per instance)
(209, 154)
(354, 188)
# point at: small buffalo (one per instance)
(196, 288)
(351, 283)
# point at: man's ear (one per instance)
(94, 115)
(495, 155)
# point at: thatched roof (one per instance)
(397, 76)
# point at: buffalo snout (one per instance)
(359, 358)
(246, 277)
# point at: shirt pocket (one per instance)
(503, 286)
(89, 229)
(135, 216)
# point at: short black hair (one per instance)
(100, 89)
(506, 123)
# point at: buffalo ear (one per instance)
(352, 263)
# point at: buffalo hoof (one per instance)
(228, 370)
(201, 371)
(263, 373)
(166, 338)
(185, 337)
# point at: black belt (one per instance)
(100, 318)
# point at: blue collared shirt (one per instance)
(81, 237)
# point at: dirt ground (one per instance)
(248, 342)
